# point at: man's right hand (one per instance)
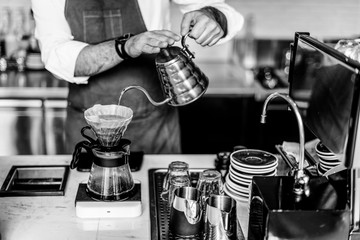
(150, 42)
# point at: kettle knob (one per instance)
(186, 47)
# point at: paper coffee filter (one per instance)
(109, 122)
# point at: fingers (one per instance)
(206, 34)
(204, 29)
(162, 38)
(186, 23)
(150, 42)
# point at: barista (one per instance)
(102, 46)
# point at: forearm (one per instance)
(234, 20)
(94, 59)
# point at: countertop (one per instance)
(31, 84)
(54, 217)
(225, 79)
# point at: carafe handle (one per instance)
(93, 141)
(76, 155)
(146, 94)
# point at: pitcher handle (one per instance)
(185, 46)
(146, 94)
(193, 211)
(76, 155)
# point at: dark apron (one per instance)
(152, 129)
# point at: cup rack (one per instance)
(159, 209)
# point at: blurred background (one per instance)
(33, 102)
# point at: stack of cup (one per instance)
(175, 183)
(210, 182)
(327, 159)
(177, 169)
(244, 164)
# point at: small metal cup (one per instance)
(186, 214)
(221, 220)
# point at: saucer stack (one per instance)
(244, 164)
(327, 159)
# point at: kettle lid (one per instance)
(167, 54)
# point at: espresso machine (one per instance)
(111, 190)
(324, 95)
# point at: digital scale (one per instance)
(87, 207)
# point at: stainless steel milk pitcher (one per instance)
(181, 80)
(186, 213)
(221, 221)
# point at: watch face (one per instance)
(123, 38)
(120, 40)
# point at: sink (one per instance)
(44, 180)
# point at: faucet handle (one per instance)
(301, 181)
(301, 185)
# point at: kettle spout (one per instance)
(146, 94)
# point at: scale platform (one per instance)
(86, 207)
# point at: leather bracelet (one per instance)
(120, 46)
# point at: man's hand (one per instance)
(150, 42)
(205, 24)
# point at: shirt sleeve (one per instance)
(59, 50)
(235, 20)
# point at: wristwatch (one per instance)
(120, 45)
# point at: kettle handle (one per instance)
(185, 46)
(146, 94)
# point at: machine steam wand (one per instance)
(301, 181)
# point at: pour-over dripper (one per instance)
(108, 122)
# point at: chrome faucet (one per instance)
(301, 183)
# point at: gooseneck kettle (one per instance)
(181, 80)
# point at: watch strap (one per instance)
(120, 50)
